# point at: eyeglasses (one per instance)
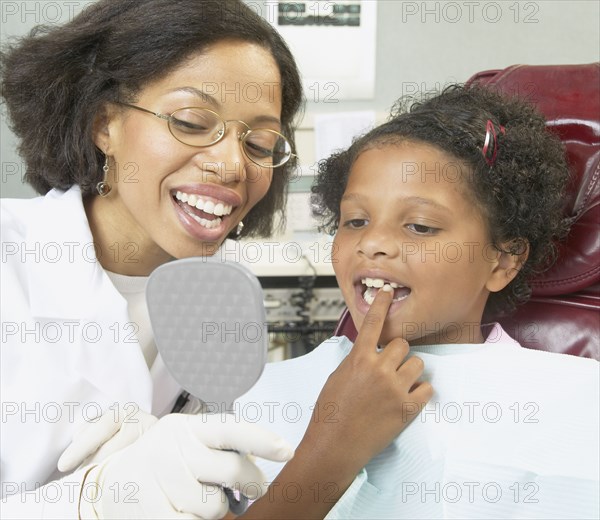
(202, 127)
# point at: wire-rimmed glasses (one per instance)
(203, 127)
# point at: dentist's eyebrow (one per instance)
(205, 97)
(213, 101)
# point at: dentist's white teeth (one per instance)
(218, 209)
(209, 224)
(209, 207)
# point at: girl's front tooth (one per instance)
(199, 204)
(378, 282)
(192, 200)
(394, 285)
(209, 207)
(219, 209)
(183, 197)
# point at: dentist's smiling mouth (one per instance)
(373, 285)
(206, 211)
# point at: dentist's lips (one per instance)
(204, 210)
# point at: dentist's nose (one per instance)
(227, 158)
(378, 240)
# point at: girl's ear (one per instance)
(102, 127)
(511, 257)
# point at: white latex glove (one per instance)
(178, 467)
(111, 432)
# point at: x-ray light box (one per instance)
(334, 44)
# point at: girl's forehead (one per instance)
(408, 169)
(410, 162)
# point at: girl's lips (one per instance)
(363, 307)
(376, 274)
(367, 283)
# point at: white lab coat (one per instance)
(67, 352)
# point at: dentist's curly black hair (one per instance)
(55, 80)
(521, 196)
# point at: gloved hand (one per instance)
(178, 467)
(111, 432)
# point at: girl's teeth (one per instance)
(376, 284)
(192, 199)
(199, 204)
(218, 211)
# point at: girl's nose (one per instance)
(378, 240)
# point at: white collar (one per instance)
(64, 250)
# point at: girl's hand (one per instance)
(371, 397)
(364, 405)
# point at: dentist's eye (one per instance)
(355, 223)
(420, 229)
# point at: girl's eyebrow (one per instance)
(419, 201)
(352, 196)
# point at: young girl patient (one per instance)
(454, 204)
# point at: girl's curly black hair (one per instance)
(521, 195)
(55, 81)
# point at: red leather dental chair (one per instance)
(563, 314)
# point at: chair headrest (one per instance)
(568, 97)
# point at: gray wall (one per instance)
(420, 46)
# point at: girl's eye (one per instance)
(355, 223)
(420, 229)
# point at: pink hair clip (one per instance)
(490, 149)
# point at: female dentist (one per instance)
(152, 128)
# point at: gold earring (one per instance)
(103, 187)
